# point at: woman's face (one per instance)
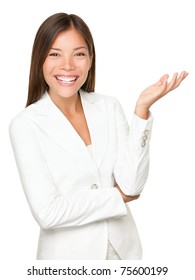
(67, 64)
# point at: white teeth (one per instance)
(66, 79)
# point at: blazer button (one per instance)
(144, 137)
(94, 186)
(143, 143)
(146, 132)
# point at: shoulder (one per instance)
(94, 97)
(24, 114)
(32, 111)
(24, 118)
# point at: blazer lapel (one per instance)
(96, 116)
(60, 129)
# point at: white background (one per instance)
(136, 43)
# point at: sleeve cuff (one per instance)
(140, 132)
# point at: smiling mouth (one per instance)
(67, 79)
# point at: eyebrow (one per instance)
(75, 49)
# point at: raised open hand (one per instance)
(156, 91)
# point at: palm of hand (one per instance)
(154, 92)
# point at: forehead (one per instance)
(69, 38)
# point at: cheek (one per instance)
(85, 64)
(46, 70)
(87, 67)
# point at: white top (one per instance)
(90, 149)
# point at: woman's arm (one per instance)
(132, 161)
(132, 164)
(48, 206)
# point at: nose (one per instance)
(67, 63)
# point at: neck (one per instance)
(69, 106)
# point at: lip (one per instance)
(66, 80)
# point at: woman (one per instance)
(78, 161)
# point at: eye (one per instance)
(80, 54)
(54, 54)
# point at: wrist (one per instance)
(142, 112)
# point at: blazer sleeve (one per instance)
(48, 206)
(132, 162)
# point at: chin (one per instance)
(68, 93)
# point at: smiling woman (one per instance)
(51, 40)
(78, 160)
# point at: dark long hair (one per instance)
(46, 34)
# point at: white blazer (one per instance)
(71, 194)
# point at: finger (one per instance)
(176, 82)
(184, 74)
(172, 83)
(163, 80)
(181, 77)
